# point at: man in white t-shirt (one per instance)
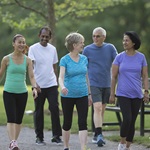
(45, 59)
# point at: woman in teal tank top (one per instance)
(15, 92)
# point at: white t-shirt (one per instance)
(44, 58)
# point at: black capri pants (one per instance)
(15, 105)
(82, 111)
(130, 109)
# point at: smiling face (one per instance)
(19, 44)
(79, 46)
(98, 37)
(127, 43)
(44, 37)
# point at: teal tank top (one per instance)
(15, 81)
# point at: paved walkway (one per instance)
(26, 141)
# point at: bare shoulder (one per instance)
(6, 59)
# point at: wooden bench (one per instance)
(142, 113)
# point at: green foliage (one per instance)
(34, 13)
(82, 16)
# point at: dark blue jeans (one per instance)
(51, 94)
(130, 109)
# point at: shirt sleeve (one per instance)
(30, 54)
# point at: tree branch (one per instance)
(77, 10)
(31, 9)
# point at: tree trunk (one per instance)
(51, 19)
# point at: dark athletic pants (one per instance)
(130, 109)
(82, 110)
(15, 106)
(51, 94)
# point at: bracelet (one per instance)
(89, 94)
(146, 91)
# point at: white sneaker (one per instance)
(122, 146)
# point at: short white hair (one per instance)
(101, 30)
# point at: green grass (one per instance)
(109, 117)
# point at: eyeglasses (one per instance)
(97, 36)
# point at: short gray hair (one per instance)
(72, 38)
(101, 30)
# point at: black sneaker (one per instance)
(40, 142)
(57, 140)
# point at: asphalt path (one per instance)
(26, 141)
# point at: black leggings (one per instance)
(15, 106)
(130, 109)
(82, 110)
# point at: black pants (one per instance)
(130, 109)
(82, 110)
(15, 105)
(51, 94)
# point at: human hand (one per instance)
(64, 91)
(35, 93)
(146, 97)
(38, 88)
(112, 99)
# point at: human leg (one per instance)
(15, 106)
(135, 106)
(39, 116)
(105, 99)
(66, 137)
(125, 106)
(67, 108)
(126, 110)
(52, 96)
(82, 109)
(83, 139)
(97, 115)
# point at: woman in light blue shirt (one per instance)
(75, 89)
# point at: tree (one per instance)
(35, 13)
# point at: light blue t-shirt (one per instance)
(75, 76)
(129, 76)
(99, 63)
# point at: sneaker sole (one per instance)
(94, 142)
(40, 144)
(57, 143)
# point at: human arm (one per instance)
(63, 89)
(31, 77)
(4, 64)
(145, 83)
(114, 76)
(55, 71)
